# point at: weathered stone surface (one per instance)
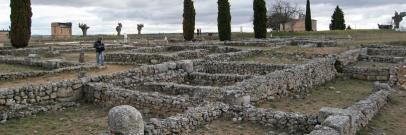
(126, 120)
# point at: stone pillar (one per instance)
(125, 120)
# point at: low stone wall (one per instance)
(186, 122)
(175, 48)
(242, 68)
(205, 79)
(396, 52)
(294, 81)
(381, 59)
(22, 75)
(29, 100)
(290, 122)
(366, 73)
(232, 56)
(143, 58)
(69, 49)
(150, 58)
(348, 58)
(349, 121)
(49, 64)
(110, 95)
(196, 92)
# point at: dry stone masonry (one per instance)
(189, 86)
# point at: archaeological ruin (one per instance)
(179, 88)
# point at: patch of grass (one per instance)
(9, 68)
(85, 120)
(338, 94)
(391, 119)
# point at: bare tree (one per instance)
(84, 28)
(282, 12)
(118, 29)
(139, 28)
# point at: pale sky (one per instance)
(165, 16)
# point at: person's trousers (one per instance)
(100, 58)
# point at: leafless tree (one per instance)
(118, 29)
(282, 12)
(84, 28)
(139, 28)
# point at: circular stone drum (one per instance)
(125, 120)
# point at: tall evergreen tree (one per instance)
(260, 18)
(189, 14)
(308, 19)
(224, 20)
(337, 20)
(20, 29)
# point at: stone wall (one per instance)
(381, 59)
(29, 100)
(175, 48)
(204, 79)
(66, 49)
(396, 52)
(293, 81)
(46, 64)
(188, 121)
(110, 95)
(290, 122)
(232, 56)
(242, 68)
(22, 75)
(151, 58)
(366, 73)
(349, 121)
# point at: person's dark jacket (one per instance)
(99, 46)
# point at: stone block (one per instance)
(340, 123)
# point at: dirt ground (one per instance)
(338, 93)
(64, 76)
(221, 127)
(85, 120)
(9, 68)
(390, 120)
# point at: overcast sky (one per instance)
(164, 16)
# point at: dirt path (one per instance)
(64, 76)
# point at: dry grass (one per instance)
(390, 119)
(338, 94)
(220, 127)
(64, 76)
(85, 120)
(9, 68)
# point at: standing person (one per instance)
(99, 45)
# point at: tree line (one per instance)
(279, 14)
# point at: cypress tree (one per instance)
(260, 18)
(337, 20)
(224, 20)
(308, 21)
(189, 14)
(20, 29)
